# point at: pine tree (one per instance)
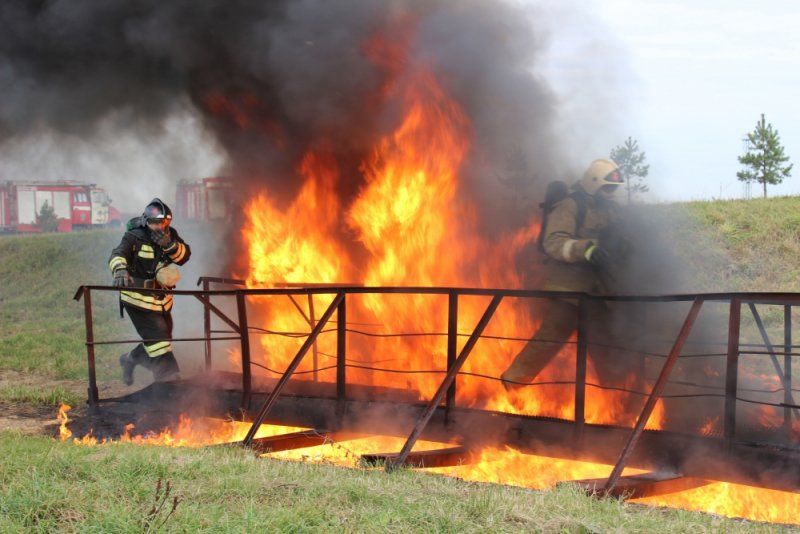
(764, 158)
(46, 219)
(631, 164)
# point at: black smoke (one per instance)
(273, 79)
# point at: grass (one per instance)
(50, 486)
(42, 327)
(41, 396)
(753, 245)
(47, 486)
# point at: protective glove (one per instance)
(163, 239)
(122, 278)
(597, 256)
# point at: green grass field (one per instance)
(47, 486)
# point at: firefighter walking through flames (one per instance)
(578, 258)
(146, 258)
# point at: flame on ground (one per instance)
(502, 466)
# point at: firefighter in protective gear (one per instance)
(146, 258)
(575, 260)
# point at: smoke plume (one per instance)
(270, 80)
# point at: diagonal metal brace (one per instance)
(445, 385)
(658, 387)
(771, 349)
(276, 391)
(219, 313)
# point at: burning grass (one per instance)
(229, 489)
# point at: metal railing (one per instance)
(445, 395)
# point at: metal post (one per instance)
(580, 371)
(787, 367)
(312, 323)
(244, 335)
(259, 419)
(94, 397)
(452, 347)
(207, 327)
(732, 370)
(658, 387)
(341, 355)
(445, 385)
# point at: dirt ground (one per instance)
(38, 419)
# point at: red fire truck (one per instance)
(76, 206)
(208, 199)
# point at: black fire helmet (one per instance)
(156, 211)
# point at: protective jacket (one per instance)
(143, 257)
(565, 242)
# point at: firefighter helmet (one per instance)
(157, 212)
(600, 173)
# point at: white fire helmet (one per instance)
(601, 172)
(169, 275)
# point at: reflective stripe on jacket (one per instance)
(142, 257)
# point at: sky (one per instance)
(698, 74)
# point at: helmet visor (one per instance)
(614, 177)
(159, 221)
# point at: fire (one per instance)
(734, 500)
(411, 223)
(509, 466)
(187, 433)
(64, 433)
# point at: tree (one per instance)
(46, 219)
(764, 158)
(631, 164)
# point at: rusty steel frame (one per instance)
(447, 388)
(658, 387)
(259, 419)
(786, 383)
(447, 381)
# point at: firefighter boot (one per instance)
(128, 365)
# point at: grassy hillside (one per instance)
(41, 327)
(737, 245)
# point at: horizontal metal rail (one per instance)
(305, 289)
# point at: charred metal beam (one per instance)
(640, 486)
(341, 355)
(732, 369)
(244, 332)
(298, 440)
(647, 411)
(206, 328)
(452, 346)
(446, 382)
(93, 394)
(449, 457)
(291, 369)
(580, 372)
(787, 366)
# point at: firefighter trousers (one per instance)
(156, 355)
(559, 322)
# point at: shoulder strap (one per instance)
(580, 199)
